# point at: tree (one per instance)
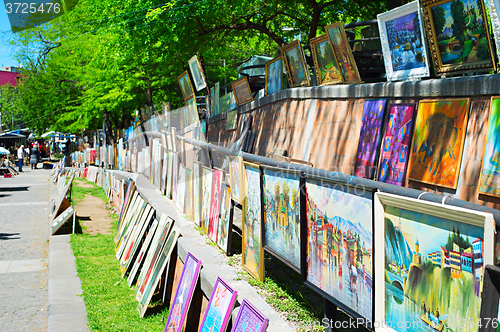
(458, 14)
(439, 19)
(10, 116)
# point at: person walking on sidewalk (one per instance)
(20, 156)
(33, 156)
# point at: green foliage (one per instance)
(458, 14)
(78, 193)
(439, 19)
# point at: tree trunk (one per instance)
(109, 129)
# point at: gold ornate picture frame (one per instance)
(186, 86)
(295, 64)
(326, 67)
(241, 90)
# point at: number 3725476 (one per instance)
(32, 8)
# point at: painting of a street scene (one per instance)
(340, 242)
(433, 272)
(282, 214)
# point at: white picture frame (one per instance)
(197, 73)
(494, 9)
(416, 45)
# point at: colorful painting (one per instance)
(196, 192)
(295, 65)
(168, 185)
(342, 50)
(282, 214)
(224, 230)
(186, 87)
(325, 64)
(142, 253)
(274, 76)
(438, 141)
(249, 319)
(396, 144)
(183, 294)
(213, 221)
(252, 252)
(403, 43)
(241, 90)
(188, 203)
(206, 197)
(433, 259)
(232, 120)
(459, 38)
(236, 171)
(219, 307)
(197, 73)
(369, 138)
(489, 183)
(181, 188)
(340, 244)
(494, 10)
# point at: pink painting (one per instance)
(213, 220)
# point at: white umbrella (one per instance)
(4, 151)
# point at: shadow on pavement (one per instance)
(14, 189)
(9, 236)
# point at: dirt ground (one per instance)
(92, 213)
(83, 184)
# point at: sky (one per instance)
(6, 50)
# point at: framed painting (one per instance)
(459, 39)
(225, 102)
(61, 219)
(339, 249)
(241, 90)
(168, 185)
(181, 188)
(213, 220)
(129, 228)
(142, 253)
(191, 112)
(224, 230)
(494, 11)
(219, 307)
(196, 192)
(232, 120)
(489, 182)
(237, 180)
(131, 211)
(186, 87)
(188, 202)
(430, 260)
(295, 64)
(404, 45)
(281, 231)
(126, 202)
(249, 319)
(490, 306)
(325, 64)
(206, 192)
(252, 252)
(175, 176)
(369, 139)
(197, 73)
(438, 141)
(183, 295)
(343, 53)
(396, 144)
(274, 75)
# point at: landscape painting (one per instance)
(232, 120)
(396, 144)
(295, 65)
(213, 221)
(219, 307)
(274, 76)
(438, 141)
(369, 139)
(186, 87)
(340, 244)
(342, 50)
(282, 214)
(489, 183)
(206, 197)
(242, 92)
(325, 64)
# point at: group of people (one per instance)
(30, 154)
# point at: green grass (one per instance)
(78, 193)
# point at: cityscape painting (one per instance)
(489, 183)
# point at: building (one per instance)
(445, 258)
(417, 256)
(8, 77)
(478, 246)
(455, 264)
(466, 262)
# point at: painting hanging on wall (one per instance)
(252, 252)
(489, 182)
(281, 228)
(369, 138)
(325, 64)
(295, 64)
(197, 73)
(458, 36)
(404, 45)
(438, 141)
(219, 307)
(274, 76)
(232, 120)
(224, 230)
(236, 170)
(196, 192)
(396, 144)
(430, 262)
(206, 197)
(186, 87)
(213, 221)
(340, 244)
(242, 92)
(342, 50)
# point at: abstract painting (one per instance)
(249, 319)
(197, 73)
(237, 183)
(325, 64)
(186, 87)
(213, 220)
(252, 252)
(369, 138)
(438, 141)
(430, 263)
(196, 192)
(489, 183)
(281, 227)
(181, 188)
(295, 64)
(183, 294)
(340, 244)
(224, 230)
(274, 76)
(232, 120)
(188, 203)
(219, 307)
(206, 197)
(342, 50)
(396, 144)
(241, 90)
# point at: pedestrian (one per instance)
(33, 156)
(20, 156)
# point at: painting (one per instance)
(438, 141)
(224, 230)
(181, 188)
(197, 73)
(142, 253)
(252, 252)
(295, 64)
(490, 305)
(232, 120)
(403, 42)
(168, 185)
(183, 295)
(175, 175)
(489, 183)
(325, 64)
(274, 76)
(164, 171)
(494, 11)
(188, 203)
(219, 307)
(340, 244)
(216, 98)
(61, 219)
(196, 192)
(396, 144)
(213, 221)
(249, 319)
(186, 87)
(236, 171)
(342, 50)
(191, 112)
(281, 227)
(430, 262)
(369, 138)
(458, 36)
(206, 196)
(225, 102)
(242, 92)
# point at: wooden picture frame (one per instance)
(295, 64)
(274, 81)
(242, 92)
(249, 318)
(219, 297)
(323, 57)
(186, 86)
(447, 49)
(197, 72)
